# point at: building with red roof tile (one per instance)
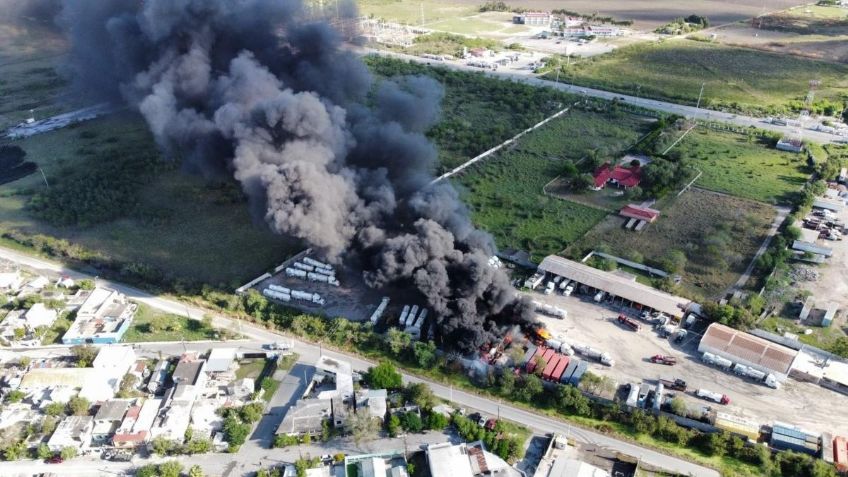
(619, 176)
(638, 212)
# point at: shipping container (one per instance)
(549, 354)
(782, 442)
(738, 426)
(569, 370)
(531, 350)
(531, 365)
(578, 373)
(549, 369)
(827, 448)
(557, 374)
(840, 453)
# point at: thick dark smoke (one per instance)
(259, 89)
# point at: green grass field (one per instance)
(735, 78)
(145, 327)
(181, 224)
(505, 192)
(411, 12)
(719, 235)
(731, 163)
(29, 78)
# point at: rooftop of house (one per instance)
(112, 410)
(628, 176)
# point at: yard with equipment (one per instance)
(737, 79)
(708, 238)
(743, 166)
(505, 193)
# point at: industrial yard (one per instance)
(808, 405)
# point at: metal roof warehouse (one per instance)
(616, 285)
(747, 349)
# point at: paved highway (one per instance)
(309, 353)
(527, 76)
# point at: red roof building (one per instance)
(640, 213)
(619, 176)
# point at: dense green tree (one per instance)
(79, 406)
(383, 376)
(84, 355)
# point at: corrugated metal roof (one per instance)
(616, 285)
(812, 248)
(743, 346)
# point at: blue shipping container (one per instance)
(578, 373)
(569, 370)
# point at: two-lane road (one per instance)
(527, 76)
(309, 353)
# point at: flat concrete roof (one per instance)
(616, 285)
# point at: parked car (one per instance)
(56, 459)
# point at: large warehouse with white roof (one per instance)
(628, 290)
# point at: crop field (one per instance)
(505, 193)
(202, 234)
(746, 168)
(738, 79)
(832, 48)
(718, 234)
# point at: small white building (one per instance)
(10, 280)
(73, 431)
(39, 315)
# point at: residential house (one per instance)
(373, 401)
(241, 388)
(135, 428)
(72, 431)
(220, 360)
(108, 419)
(306, 417)
(625, 177)
(102, 318)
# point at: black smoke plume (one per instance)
(263, 90)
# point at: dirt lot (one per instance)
(822, 47)
(649, 14)
(805, 404)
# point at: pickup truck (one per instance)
(663, 359)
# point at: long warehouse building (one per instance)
(638, 295)
(747, 349)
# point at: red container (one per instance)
(552, 364)
(563, 363)
(840, 453)
(540, 351)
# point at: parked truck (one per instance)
(677, 384)
(629, 323)
(715, 360)
(712, 396)
(549, 289)
(766, 378)
(663, 359)
(596, 354)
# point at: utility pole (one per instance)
(698, 105)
